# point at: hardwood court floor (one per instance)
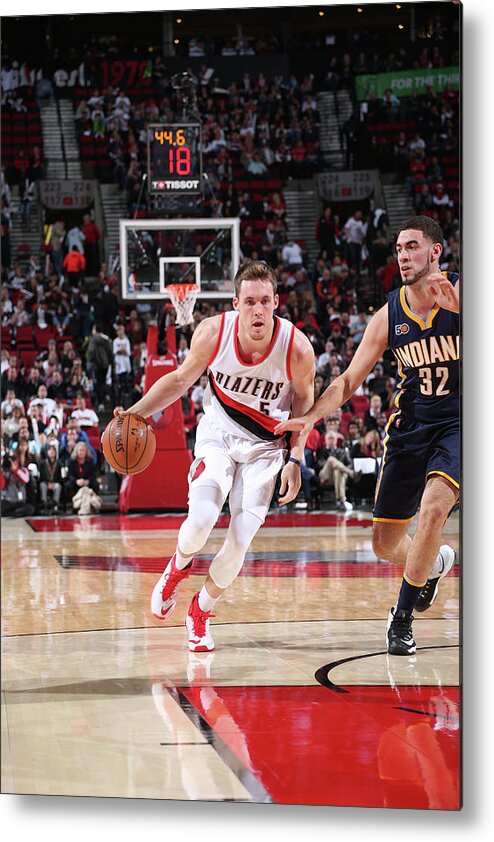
(299, 703)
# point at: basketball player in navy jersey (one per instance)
(260, 368)
(421, 459)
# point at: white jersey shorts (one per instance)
(238, 466)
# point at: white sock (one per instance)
(206, 602)
(182, 561)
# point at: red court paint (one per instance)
(369, 747)
(251, 567)
(126, 523)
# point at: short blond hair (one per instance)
(255, 270)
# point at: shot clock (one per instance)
(174, 158)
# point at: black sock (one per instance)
(409, 594)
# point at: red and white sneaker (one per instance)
(163, 599)
(197, 623)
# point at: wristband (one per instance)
(295, 461)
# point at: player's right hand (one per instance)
(295, 424)
(119, 410)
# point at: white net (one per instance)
(183, 298)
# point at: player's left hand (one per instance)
(445, 294)
(290, 483)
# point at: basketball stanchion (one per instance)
(183, 298)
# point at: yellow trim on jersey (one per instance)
(414, 584)
(432, 316)
(401, 384)
(407, 310)
(385, 443)
(446, 476)
(411, 315)
(393, 519)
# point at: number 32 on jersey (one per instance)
(433, 381)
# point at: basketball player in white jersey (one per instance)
(260, 369)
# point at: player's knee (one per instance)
(382, 544)
(195, 530)
(433, 514)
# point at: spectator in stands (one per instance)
(75, 264)
(423, 199)
(440, 198)
(12, 421)
(123, 366)
(21, 166)
(355, 232)
(373, 412)
(13, 380)
(270, 244)
(389, 275)
(82, 113)
(325, 234)
(82, 475)
(390, 105)
(352, 437)
(48, 404)
(84, 415)
(73, 430)
(292, 255)
(62, 317)
(50, 485)
(75, 237)
(377, 382)
(20, 316)
(38, 421)
(357, 329)
(36, 165)
(68, 441)
(26, 195)
(14, 480)
(274, 207)
(333, 464)
(369, 446)
(100, 355)
(92, 237)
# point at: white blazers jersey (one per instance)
(250, 399)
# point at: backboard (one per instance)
(157, 252)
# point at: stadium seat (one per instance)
(360, 404)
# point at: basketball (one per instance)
(129, 444)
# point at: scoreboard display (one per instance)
(174, 158)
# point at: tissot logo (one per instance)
(176, 184)
(401, 329)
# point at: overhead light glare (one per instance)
(176, 41)
(321, 14)
(179, 20)
(400, 26)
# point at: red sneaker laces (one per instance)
(200, 617)
(175, 576)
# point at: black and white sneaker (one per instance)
(428, 593)
(399, 636)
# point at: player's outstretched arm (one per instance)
(445, 294)
(172, 386)
(342, 388)
(303, 370)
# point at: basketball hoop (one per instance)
(183, 297)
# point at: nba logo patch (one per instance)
(401, 329)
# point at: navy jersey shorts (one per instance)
(414, 451)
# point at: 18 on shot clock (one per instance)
(174, 158)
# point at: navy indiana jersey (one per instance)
(427, 354)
